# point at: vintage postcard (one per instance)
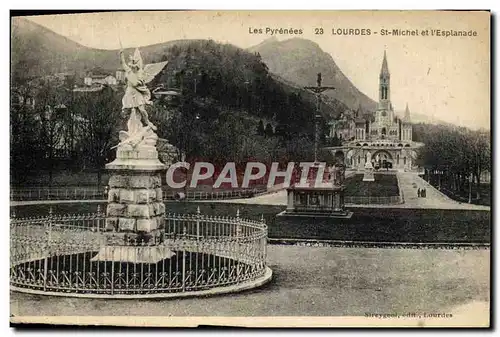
(251, 168)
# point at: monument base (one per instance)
(326, 201)
(368, 176)
(135, 210)
(335, 215)
(368, 173)
(131, 254)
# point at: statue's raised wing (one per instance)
(138, 58)
(153, 69)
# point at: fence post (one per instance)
(198, 216)
(264, 240)
(184, 231)
(99, 215)
(47, 249)
(238, 244)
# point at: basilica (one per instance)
(379, 136)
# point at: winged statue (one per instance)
(137, 97)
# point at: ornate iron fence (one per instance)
(92, 193)
(56, 255)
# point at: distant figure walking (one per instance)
(418, 192)
(423, 193)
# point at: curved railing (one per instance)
(56, 255)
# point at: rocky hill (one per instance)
(299, 60)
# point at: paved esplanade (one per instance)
(434, 199)
(319, 281)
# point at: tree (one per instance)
(269, 132)
(52, 125)
(25, 147)
(49, 93)
(101, 116)
(260, 128)
(456, 151)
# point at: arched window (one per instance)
(397, 159)
(404, 160)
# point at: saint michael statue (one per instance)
(137, 97)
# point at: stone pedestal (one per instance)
(368, 173)
(368, 176)
(135, 211)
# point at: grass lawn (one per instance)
(385, 185)
(366, 224)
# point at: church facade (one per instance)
(380, 136)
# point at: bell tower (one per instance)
(384, 85)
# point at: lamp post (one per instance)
(317, 90)
(470, 188)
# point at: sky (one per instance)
(447, 78)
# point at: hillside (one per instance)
(235, 78)
(299, 60)
(38, 51)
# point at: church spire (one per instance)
(384, 85)
(359, 114)
(385, 67)
(407, 113)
